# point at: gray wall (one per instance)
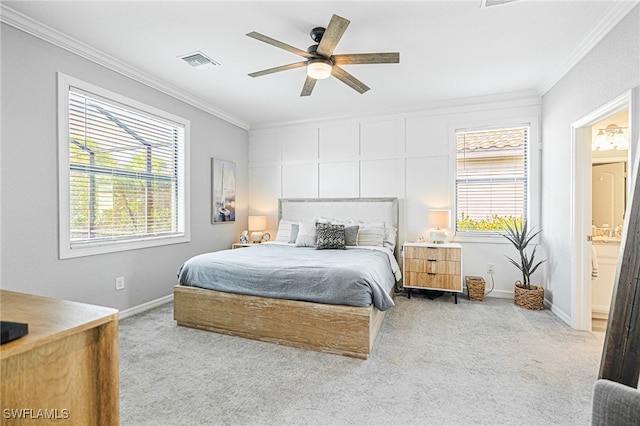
(607, 71)
(29, 175)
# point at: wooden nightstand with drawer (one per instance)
(433, 267)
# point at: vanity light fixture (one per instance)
(611, 137)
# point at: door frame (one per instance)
(581, 206)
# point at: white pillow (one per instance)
(390, 233)
(307, 235)
(371, 235)
(284, 230)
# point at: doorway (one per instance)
(584, 153)
(609, 190)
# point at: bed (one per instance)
(344, 322)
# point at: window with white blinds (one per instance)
(491, 178)
(125, 177)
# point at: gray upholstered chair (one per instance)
(615, 404)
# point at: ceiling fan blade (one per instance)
(367, 58)
(278, 69)
(349, 80)
(332, 35)
(281, 45)
(309, 84)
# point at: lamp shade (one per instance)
(439, 218)
(257, 223)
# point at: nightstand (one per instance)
(433, 267)
(241, 245)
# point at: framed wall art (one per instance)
(223, 191)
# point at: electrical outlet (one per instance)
(491, 267)
(120, 283)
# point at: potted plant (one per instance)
(525, 295)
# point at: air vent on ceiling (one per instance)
(199, 60)
(489, 3)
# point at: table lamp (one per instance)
(439, 219)
(257, 224)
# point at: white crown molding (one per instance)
(37, 29)
(450, 106)
(616, 12)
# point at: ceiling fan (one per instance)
(320, 61)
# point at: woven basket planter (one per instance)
(529, 299)
(475, 288)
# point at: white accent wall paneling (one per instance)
(381, 139)
(338, 179)
(410, 156)
(379, 178)
(428, 136)
(264, 148)
(428, 187)
(299, 144)
(300, 180)
(339, 142)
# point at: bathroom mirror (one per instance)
(609, 185)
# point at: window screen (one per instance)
(126, 170)
(491, 178)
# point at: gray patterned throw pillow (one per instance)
(330, 236)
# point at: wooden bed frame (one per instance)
(336, 329)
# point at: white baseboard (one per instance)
(498, 294)
(145, 307)
(600, 312)
(560, 314)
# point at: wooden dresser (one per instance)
(433, 267)
(65, 371)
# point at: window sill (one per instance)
(67, 252)
(487, 239)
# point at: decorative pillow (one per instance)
(330, 236)
(371, 236)
(295, 228)
(284, 231)
(390, 233)
(306, 235)
(351, 235)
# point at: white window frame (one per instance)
(66, 251)
(534, 148)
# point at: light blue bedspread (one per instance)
(354, 277)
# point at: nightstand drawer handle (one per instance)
(431, 273)
(432, 260)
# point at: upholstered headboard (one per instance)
(364, 209)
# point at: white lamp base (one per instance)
(439, 236)
(256, 237)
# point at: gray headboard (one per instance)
(364, 209)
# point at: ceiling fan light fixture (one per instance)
(319, 69)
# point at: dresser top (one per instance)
(48, 319)
(431, 245)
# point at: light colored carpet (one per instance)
(434, 363)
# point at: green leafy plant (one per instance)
(493, 223)
(520, 236)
